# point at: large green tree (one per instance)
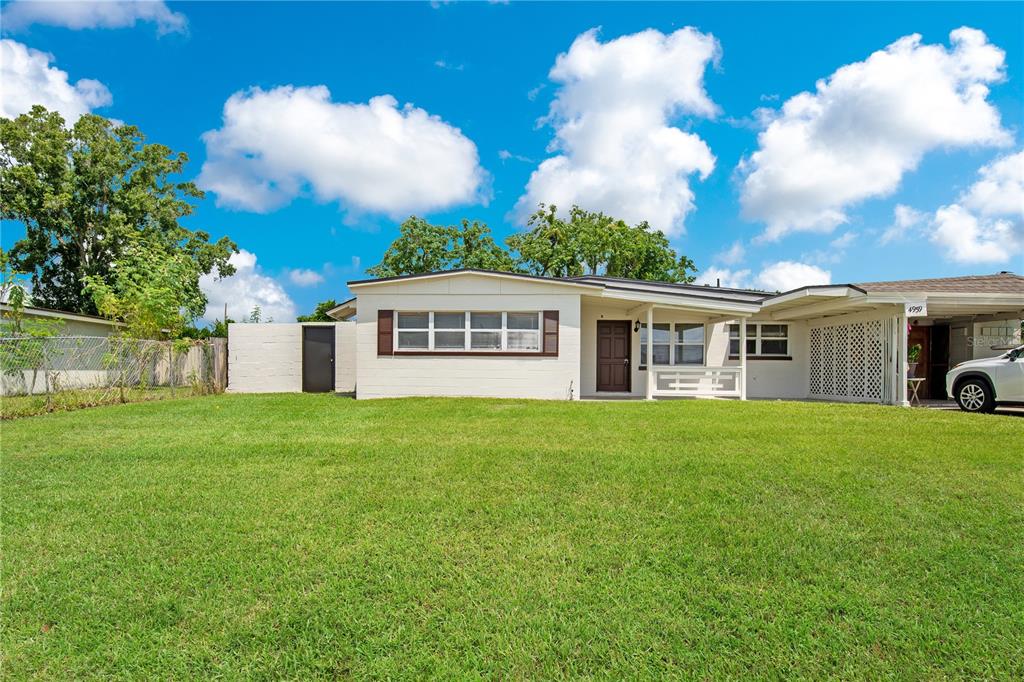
(424, 247)
(548, 247)
(155, 292)
(587, 242)
(87, 192)
(593, 243)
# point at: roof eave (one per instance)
(356, 284)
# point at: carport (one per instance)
(859, 334)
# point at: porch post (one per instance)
(743, 358)
(894, 360)
(650, 353)
(901, 384)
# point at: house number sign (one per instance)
(916, 309)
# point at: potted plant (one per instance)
(913, 355)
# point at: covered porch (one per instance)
(653, 345)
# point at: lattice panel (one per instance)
(846, 361)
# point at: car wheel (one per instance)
(974, 395)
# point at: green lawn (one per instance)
(312, 536)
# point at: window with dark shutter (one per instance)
(551, 332)
(385, 332)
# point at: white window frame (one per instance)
(672, 344)
(467, 346)
(676, 343)
(398, 331)
(754, 336)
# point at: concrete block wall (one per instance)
(267, 358)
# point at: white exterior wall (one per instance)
(267, 358)
(980, 344)
(592, 312)
(765, 378)
(345, 358)
(769, 378)
(481, 376)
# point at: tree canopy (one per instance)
(587, 242)
(87, 195)
(423, 247)
(154, 292)
(319, 314)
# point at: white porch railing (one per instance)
(709, 382)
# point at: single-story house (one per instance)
(483, 333)
(75, 335)
(71, 324)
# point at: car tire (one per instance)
(974, 395)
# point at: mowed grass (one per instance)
(306, 536)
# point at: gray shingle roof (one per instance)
(999, 283)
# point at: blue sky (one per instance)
(481, 77)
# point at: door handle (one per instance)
(625, 361)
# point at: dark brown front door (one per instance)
(613, 350)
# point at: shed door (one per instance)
(613, 355)
(317, 359)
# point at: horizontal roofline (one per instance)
(471, 271)
(52, 312)
(675, 285)
(691, 295)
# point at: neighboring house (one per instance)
(482, 333)
(72, 359)
(72, 324)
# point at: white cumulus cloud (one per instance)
(733, 255)
(779, 276)
(374, 157)
(304, 277)
(105, 14)
(787, 275)
(26, 78)
(616, 150)
(725, 277)
(247, 288)
(867, 125)
(986, 224)
(904, 220)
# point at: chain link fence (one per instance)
(43, 374)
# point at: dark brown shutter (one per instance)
(385, 332)
(551, 332)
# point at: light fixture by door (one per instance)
(636, 325)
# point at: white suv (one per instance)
(978, 385)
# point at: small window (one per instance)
(450, 321)
(485, 331)
(674, 344)
(734, 339)
(523, 331)
(771, 340)
(485, 320)
(486, 340)
(662, 343)
(449, 331)
(413, 331)
(774, 339)
(413, 320)
(689, 344)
